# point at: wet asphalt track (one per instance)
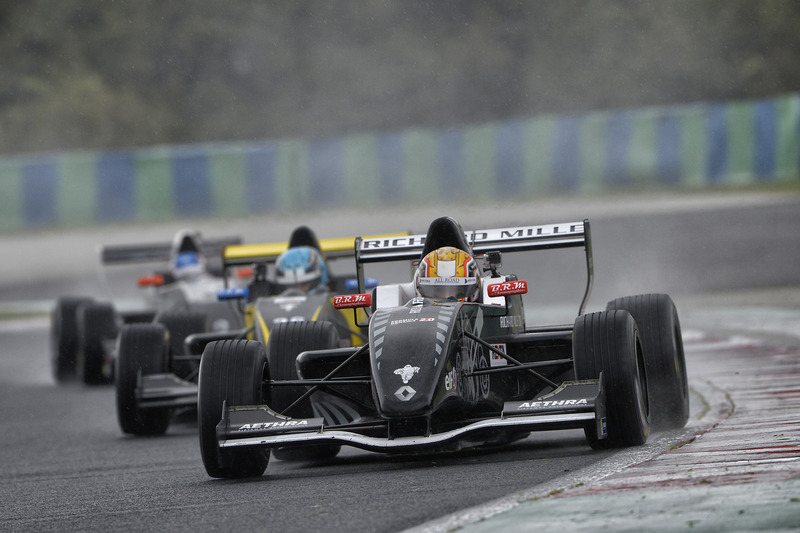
(67, 467)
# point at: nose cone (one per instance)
(408, 347)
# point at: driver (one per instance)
(302, 268)
(186, 259)
(448, 273)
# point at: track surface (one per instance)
(66, 466)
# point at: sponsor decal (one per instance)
(407, 372)
(402, 321)
(477, 237)
(507, 288)
(287, 303)
(447, 281)
(346, 301)
(428, 319)
(273, 425)
(550, 404)
(451, 380)
(510, 321)
(399, 242)
(405, 393)
(472, 357)
(498, 360)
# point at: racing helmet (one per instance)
(186, 258)
(448, 273)
(301, 267)
(188, 264)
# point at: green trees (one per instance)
(101, 75)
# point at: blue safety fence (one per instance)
(686, 147)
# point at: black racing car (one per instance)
(441, 373)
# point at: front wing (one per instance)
(165, 390)
(574, 405)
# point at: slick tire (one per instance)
(231, 371)
(141, 349)
(97, 325)
(665, 363)
(64, 338)
(286, 342)
(608, 342)
(180, 326)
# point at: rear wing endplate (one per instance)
(512, 239)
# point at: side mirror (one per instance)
(350, 301)
(234, 293)
(352, 284)
(156, 280)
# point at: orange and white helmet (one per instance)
(448, 273)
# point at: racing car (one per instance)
(289, 294)
(84, 330)
(449, 362)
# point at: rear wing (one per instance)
(118, 254)
(512, 239)
(248, 254)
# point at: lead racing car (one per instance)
(449, 362)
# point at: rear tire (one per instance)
(665, 363)
(97, 326)
(64, 338)
(608, 343)
(141, 348)
(287, 341)
(231, 371)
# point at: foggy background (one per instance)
(129, 73)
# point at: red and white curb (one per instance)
(735, 467)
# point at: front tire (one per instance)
(608, 343)
(141, 349)
(665, 363)
(231, 371)
(286, 342)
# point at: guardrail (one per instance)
(678, 147)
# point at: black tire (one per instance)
(180, 325)
(286, 342)
(140, 348)
(665, 363)
(609, 342)
(97, 324)
(232, 371)
(64, 337)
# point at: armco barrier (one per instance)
(681, 147)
